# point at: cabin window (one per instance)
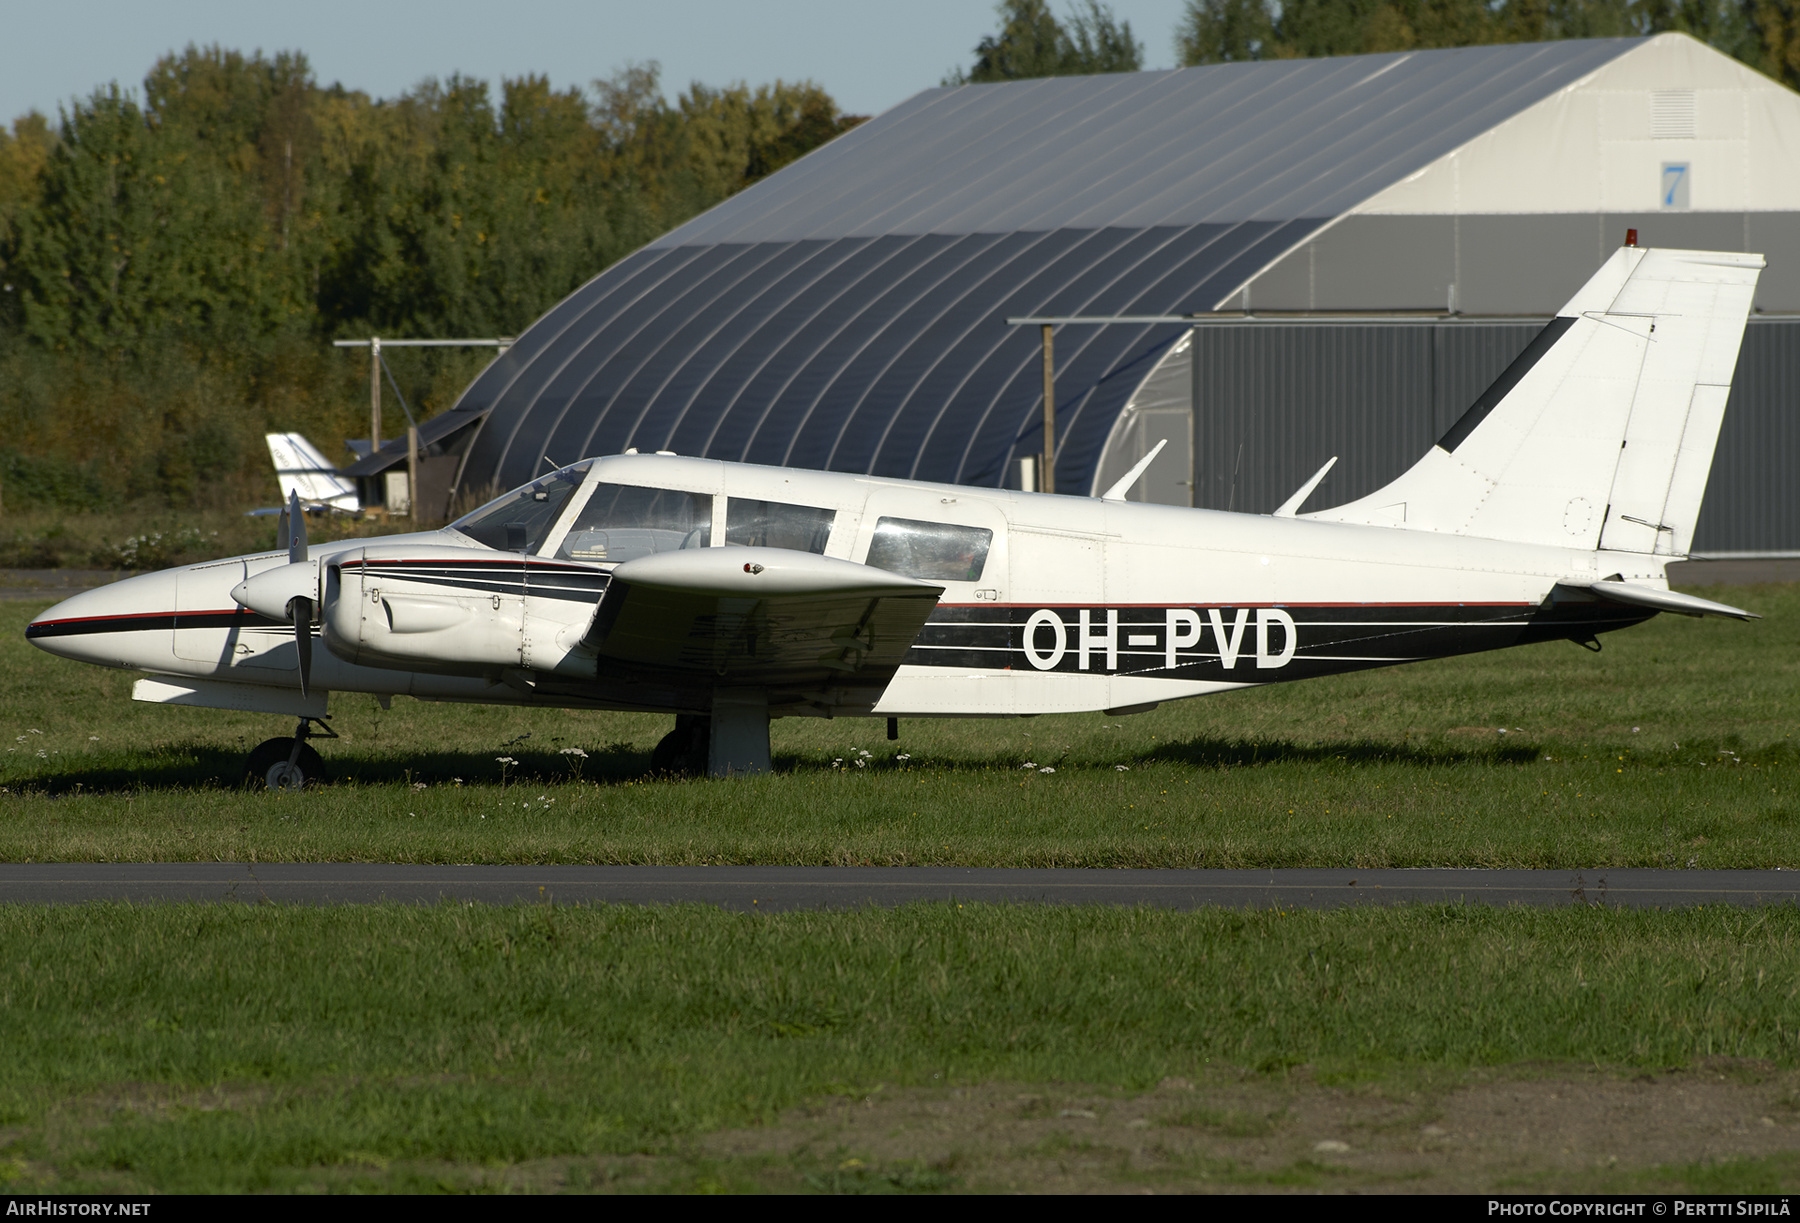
(521, 520)
(770, 524)
(935, 551)
(621, 521)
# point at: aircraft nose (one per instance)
(107, 625)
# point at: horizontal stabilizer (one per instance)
(759, 616)
(1664, 600)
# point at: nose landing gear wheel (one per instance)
(269, 766)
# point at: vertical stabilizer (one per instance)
(304, 472)
(1601, 434)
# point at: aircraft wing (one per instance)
(758, 617)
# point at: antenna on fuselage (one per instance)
(1117, 491)
(1292, 505)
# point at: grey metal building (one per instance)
(850, 312)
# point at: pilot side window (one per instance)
(620, 522)
(935, 551)
(520, 521)
(770, 524)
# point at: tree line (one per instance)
(175, 261)
(1765, 34)
(1032, 42)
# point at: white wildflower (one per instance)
(574, 751)
(1046, 769)
(1121, 768)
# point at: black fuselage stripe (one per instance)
(990, 638)
(150, 622)
(488, 577)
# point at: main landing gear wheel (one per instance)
(269, 766)
(683, 750)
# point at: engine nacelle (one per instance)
(272, 591)
(455, 611)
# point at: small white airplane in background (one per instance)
(305, 474)
(729, 594)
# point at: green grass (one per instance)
(212, 1048)
(1674, 747)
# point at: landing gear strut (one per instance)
(732, 742)
(289, 764)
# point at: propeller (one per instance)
(300, 607)
(288, 592)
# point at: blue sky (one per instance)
(867, 55)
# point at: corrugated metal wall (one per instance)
(1753, 499)
(1275, 400)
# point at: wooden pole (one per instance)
(374, 394)
(412, 470)
(1047, 478)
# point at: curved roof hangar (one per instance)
(848, 313)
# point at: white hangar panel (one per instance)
(1598, 145)
(1672, 138)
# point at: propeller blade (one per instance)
(296, 530)
(301, 610)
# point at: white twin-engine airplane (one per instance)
(729, 594)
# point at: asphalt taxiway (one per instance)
(777, 888)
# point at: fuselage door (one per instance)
(961, 542)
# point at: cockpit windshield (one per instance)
(521, 520)
(622, 521)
